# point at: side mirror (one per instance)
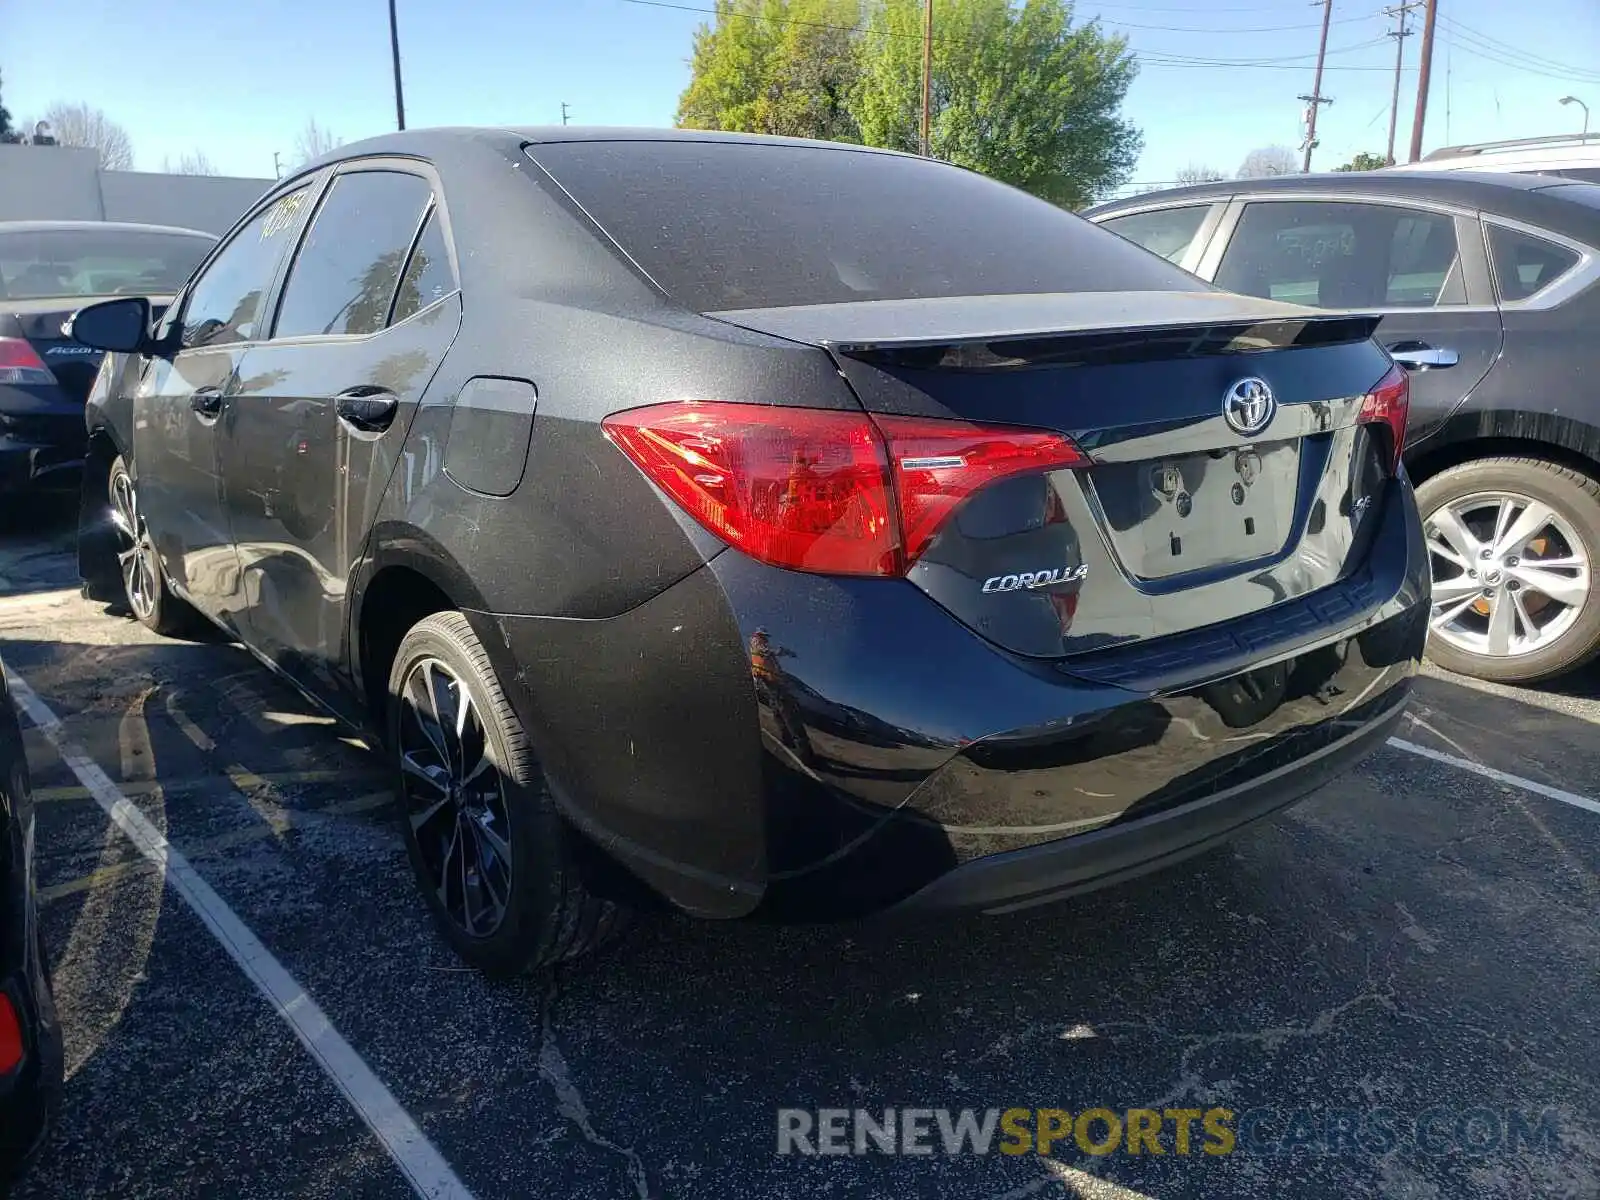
(120, 325)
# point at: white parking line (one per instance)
(423, 1166)
(1527, 785)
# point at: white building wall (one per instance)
(55, 183)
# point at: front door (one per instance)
(1423, 269)
(179, 405)
(311, 436)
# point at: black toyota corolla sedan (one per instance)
(772, 527)
(49, 269)
(30, 1036)
(1486, 287)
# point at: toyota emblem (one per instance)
(1248, 406)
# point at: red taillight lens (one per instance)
(1388, 404)
(938, 464)
(19, 363)
(832, 492)
(798, 487)
(10, 1037)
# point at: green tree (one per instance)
(1365, 161)
(1017, 92)
(784, 67)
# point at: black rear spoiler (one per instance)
(990, 332)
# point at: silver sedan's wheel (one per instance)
(144, 586)
(1513, 545)
(136, 554)
(1510, 574)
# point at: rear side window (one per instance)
(225, 303)
(728, 225)
(427, 275)
(1168, 232)
(1338, 255)
(1525, 265)
(349, 262)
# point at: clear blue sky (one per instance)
(239, 80)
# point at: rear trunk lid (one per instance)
(1183, 517)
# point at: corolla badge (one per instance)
(1248, 406)
(1034, 579)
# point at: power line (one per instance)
(1469, 34)
(947, 39)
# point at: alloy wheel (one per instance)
(454, 798)
(1510, 574)
(136, 553)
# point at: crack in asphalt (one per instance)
(569, 1100)
(1189, 1082)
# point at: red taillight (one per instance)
(19, 363)
(1388, 404)
(797, 487)
(832, 492)
(10, 1037)
(938, 464)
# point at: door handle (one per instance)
(1419, 356)
(369, 409)
(207, 401)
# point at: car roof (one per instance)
(1475, 189)
(90, 226)
(426, 143)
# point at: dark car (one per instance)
(48, 270)
(768, 526)
(30, 1036)
(1486, 287)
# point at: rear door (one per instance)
(368, 308)
(180, 400)
(1422, 268)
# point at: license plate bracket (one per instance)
(1172, 515)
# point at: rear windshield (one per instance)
(35, 264)
(733, 225)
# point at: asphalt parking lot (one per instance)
(1420, 938)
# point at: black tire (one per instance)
(548, 915)
(1575, 497)
(145, 592)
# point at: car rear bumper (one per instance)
(754, 741)
(1134, 846)
(25, 465)
(42, 438)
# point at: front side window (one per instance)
(1525, 265)
(345, 274)
(1168, 231)
(1342, 255)
(225, 303)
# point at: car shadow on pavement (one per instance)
(1410, 936)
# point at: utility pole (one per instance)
(927, 72)
(1399, 11)
(394, 50)
(277, 171)
(1422, 80)
(563, 112)
(1316, 99)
